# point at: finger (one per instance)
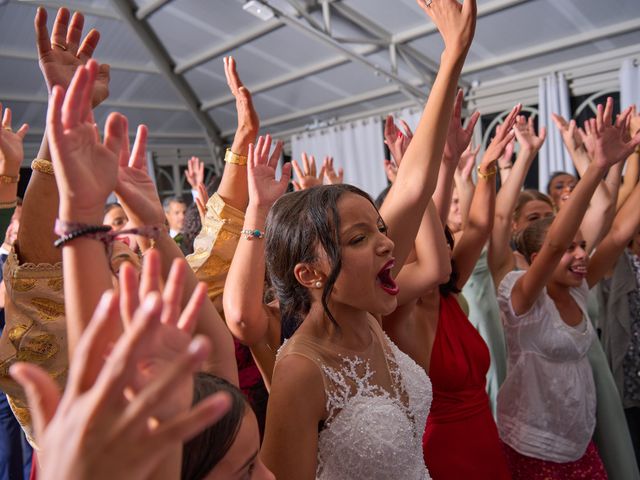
(296, 186)
(559, 120)
(285, 176)
(542, 134)
(23, 131)
(6, 118)
(88, 46)
(139, 152)
(150, 399)
(341, 174)
(472, 123)
(608, 112)
(266, 148)
(121, 365)
(60, 26)
(275, 156)
(389, 128)
(73, 99)
(203, 415)
(188, 320)
(150, 278)
(74, 34)
(323, 169)
(257, 151)
(92, 349)
(43, 395)
(43, 42)
(87, 93)
(457, 106)
(251, 162)
(114, 133)
(129, 300)
(406, 128)
(54, 120)
(312, 166)
(599, 118)
(305, 164)
(296, 169)
(172, 294)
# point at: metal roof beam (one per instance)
(330, 41)
(81, 7)
(164, 63)
(107, 103)
(150, 8)
(484, 9)
(224, 47)
(555, 45)
(291, 77)
(325, 107)
(32, 56)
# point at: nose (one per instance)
(580, 252)
(385, 245)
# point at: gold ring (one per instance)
(428, 3)
(59, 45)
(8, 129)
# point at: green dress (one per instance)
(484, 315)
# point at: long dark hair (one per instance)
(451, 286)
(297, 224)
(203, 452)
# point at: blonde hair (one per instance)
(527, 196)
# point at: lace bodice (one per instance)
(377, 403)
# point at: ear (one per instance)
(533, 257)
(308, 276)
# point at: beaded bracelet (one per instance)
(251, 234)
(9, 178)
(71, 230)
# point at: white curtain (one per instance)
(355, 146)
(629, 84)
(553, 94)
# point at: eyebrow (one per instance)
(248, 462)
(356, 225)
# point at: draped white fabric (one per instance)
(553, 94)
(629, 84)
(358, 147)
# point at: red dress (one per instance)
(461, 439)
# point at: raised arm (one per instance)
(11, 155)
(610, 148)
(478, 226)
(458, 139)
(633, 162)
(233, 185)
(58, 64)
(246, 315)
(86, 172)
(624, 227)
(139, 198)
(417, 175)
(463, 180)
(500, 257)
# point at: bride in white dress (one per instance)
(345, 403)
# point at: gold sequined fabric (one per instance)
(35, 329)
(215, 245)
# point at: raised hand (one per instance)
(201, 201)
(455, 21)
(505, 160)
(11, 149)
(248, 120)
(396, 140)
(264, 189)
(611, 140)
(504, 135)
(135, 190)
(86, 168)
(330, 174)
(467, 162)
(634, 124)
(61, 55)
(94, 431)
(175, 331)
(306, 176)
(570, 132)
(526, 134)
(194, 172)
(459, 138)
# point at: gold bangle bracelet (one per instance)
(234, 158)
(11, 204)
(9, 178)
(487, 175)
(43, 166)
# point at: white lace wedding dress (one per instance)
(377, 406)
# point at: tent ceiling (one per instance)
(299, 73)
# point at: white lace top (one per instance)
(547, 403)
(377, 403)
